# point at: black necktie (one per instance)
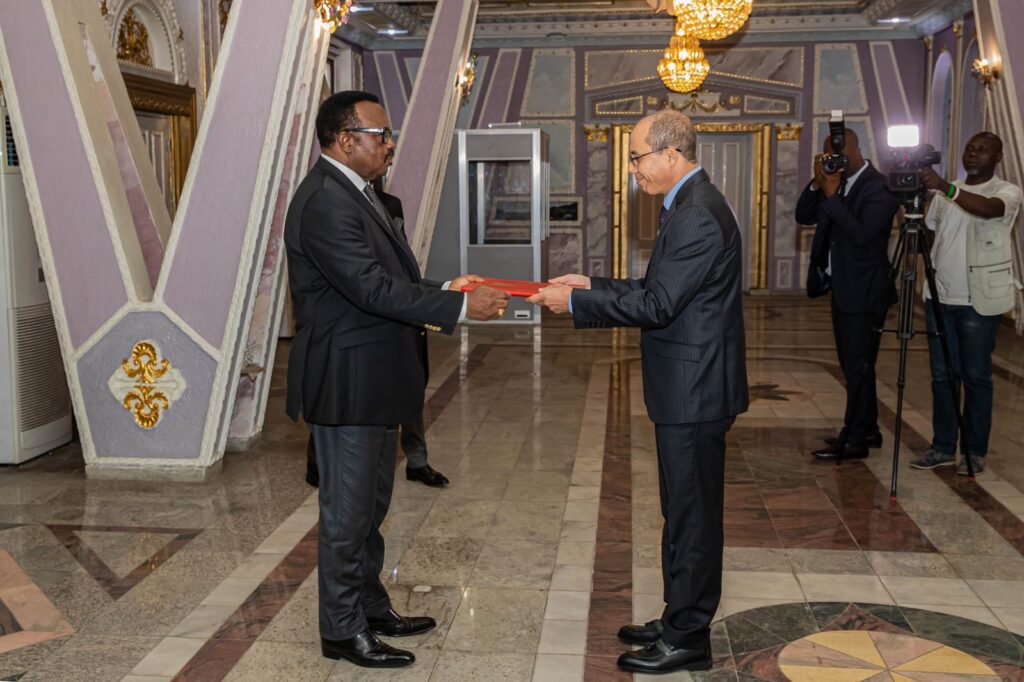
(661, 218)
(377, 206)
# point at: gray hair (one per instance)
(672, 129)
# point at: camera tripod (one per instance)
(904, 267)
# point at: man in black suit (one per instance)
(358, 364)
(690, 309)
(853, 210)
(412, 435)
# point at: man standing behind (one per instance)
(689, 307)
(358, 365)
(849, 255)
(973, 260)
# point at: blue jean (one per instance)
(972, 338)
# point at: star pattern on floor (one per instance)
(853, 656)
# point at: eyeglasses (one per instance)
(385, 133)
(634, 159)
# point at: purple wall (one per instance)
(88, 273)
(224, 174)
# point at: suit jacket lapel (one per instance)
(360, 199)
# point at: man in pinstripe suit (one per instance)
(689, 307)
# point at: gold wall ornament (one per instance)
(596, 133)
(146, 384)
(133, 41)
(104, 10)
(985, 72)
(788, 131)
(683, 67)
(712, 19)
(464, 81)
(333, 13)
(696, 103)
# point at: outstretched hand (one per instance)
(555, 297)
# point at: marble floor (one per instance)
(547, 538)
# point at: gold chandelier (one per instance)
(333, 13)
(683, 67)
(711, 19)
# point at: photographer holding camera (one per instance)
(972, 254)
(853, 209)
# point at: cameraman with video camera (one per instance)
(853, 209)
(973, 259)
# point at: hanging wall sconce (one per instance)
(985, 72)
(464, 81)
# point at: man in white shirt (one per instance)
(973, 259)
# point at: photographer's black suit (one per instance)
(855, 230)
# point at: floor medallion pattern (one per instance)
(857, 655)
(849, 642)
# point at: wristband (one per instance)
(955, 195)
(952, 191)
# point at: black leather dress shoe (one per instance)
(832, 453)
(874, 441)
(427, 476)
(647, 633)
(660, 658)
(367, 651)
(390, 624)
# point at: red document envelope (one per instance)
(513, 287)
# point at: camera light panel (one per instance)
(904, 136)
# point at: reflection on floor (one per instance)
(548, 537)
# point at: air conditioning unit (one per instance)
(35, 405)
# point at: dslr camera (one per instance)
(837, 160)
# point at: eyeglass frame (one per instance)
(385, 133)
(634, 161)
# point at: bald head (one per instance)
(670, 128)
(983, 152)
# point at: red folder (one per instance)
(513, 287)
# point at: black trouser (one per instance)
(857, 348)
(414, 445)
(691, 473)
(357, 473)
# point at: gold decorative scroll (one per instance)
(133, 41)
(146, 385)
(596, 133)
(224, 8)
(788, 132)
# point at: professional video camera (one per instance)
(837, 160)
(907, 157)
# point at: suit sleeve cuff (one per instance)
(570, 303)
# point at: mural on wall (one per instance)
(838, 81)
(551, 84)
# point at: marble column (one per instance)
(785, 240)
(152, 361)
(598, 205)
(997, 21)
(429, 121)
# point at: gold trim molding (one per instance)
(788, 131)
(596, 133)
(146, 384)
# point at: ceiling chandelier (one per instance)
(683, 67)
(333, 13)
(711, 19)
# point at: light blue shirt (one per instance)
(670, 199)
